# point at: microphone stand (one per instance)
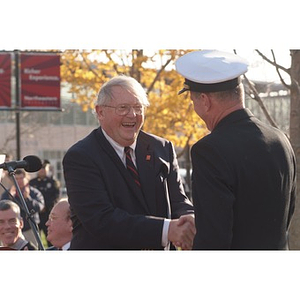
(28, 214)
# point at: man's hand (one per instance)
(182, 231)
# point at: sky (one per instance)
(261, 70)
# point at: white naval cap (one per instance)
(210, 70)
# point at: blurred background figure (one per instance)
(33, 199)
(11, 224)
(49, 187)
(5, 178)
(60, 226)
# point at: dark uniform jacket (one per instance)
(50, 190)
(244, 185)
(109, 211)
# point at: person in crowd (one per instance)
(5, 178)
(60, 226)
(126, 198)
(244, 171)
(11, 224)
(34, 201)
(50, 189)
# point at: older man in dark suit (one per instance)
(123, 184)
(244, 171)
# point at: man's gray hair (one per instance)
(126, 82)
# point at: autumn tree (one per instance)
(169, 115)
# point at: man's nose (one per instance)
(132, 112)
(6, 224)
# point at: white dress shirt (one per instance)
(66, 246)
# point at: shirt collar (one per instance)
(66, 246)
(118, 148)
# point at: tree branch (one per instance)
(158, 74)
(288, 71)
(115, 66)
(260, 102)
(88, 65)
(273, 63)
(278, 72)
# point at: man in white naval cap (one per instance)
(244, 171)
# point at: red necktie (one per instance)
(131, 167)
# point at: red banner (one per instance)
(5, 79)
(40, 80)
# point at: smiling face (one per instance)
(10, 227)
(122, 129)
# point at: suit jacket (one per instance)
(244, 182)
(109, 211)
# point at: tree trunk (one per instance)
(295, 140)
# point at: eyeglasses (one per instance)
(124, 109)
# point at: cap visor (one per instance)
(182, 91)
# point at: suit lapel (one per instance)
(145, 163)
(106, 146)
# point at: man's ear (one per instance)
(207, 101)
(21, 223)
(99, 110)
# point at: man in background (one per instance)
(49, 188)
(60, 226)
(11, 224)
(5, 178)
(34, 201)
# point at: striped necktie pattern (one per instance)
(131, 167)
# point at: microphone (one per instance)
(30, 163)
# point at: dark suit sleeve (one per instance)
(212, 197)
(90, 193)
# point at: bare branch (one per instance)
(273, 63)
(260, 102)
(288, 71)
(158, 74)
(278, 72)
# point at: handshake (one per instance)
(182, 231)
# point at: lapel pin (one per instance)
(148, 157)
